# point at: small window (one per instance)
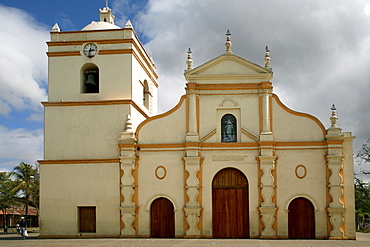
(87, 219)
(90, 79)
(228, 128)
(146, 94)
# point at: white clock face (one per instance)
(90, 50)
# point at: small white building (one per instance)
(230, 160)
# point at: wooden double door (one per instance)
(301, 219)
(230, 204)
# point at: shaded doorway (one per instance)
(162, 219)
(230, 204)
(301, 219)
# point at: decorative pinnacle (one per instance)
(267, 58)
(333, 118)
(189, 62)
(128, 127)
(228, 43)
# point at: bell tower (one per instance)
(98, 76)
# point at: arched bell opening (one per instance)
(90, 78)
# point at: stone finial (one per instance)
(267, 59)
(333, 118)
(55, 28)
(228, 43)
(189, 62)
(128, 24)
(128, 127)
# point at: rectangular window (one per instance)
(87, 219)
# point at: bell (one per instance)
(90, 81)
(91, 86)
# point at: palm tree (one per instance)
(24, 175)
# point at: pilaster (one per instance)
(192, 207)
(336, 209)
(267, 185)
(127, 165)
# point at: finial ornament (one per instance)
(267, 59)
(333, 118)
(128, 127)
(55, 28)
(228, 43)
(189, 62)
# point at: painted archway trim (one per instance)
(309, 197)
(153, 198)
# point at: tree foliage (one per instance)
(362, 188)
(362, 201)
(26, 178)
(364, 155)
(8, 196)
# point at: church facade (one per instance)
(230, 160)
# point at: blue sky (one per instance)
(319, 54)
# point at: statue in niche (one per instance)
(228, 125)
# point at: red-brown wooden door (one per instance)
(301, 219)
(162, 223)
(230, 205)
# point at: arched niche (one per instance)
(89, 78)
(146, 94)
(228, 128)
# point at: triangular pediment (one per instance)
(229, 66)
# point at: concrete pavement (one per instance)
(363, 239)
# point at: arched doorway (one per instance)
(162, 219)
(230, 204)
(301, 219)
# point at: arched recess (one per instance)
(301, 219)
(146, 94)
(230, 204)
(228, 128)
(89, 78)
(162, 218)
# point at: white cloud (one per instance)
(19, 145)
(23, 62)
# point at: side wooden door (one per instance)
(230, 204)
(301, 219)
(162, 223)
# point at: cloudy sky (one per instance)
(320, 53)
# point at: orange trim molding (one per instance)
(228, 86)
(160, 115)
(300, 114)
(304, 173)
(63, 54)
(96, 102)
(164, 172)
(77, 161)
